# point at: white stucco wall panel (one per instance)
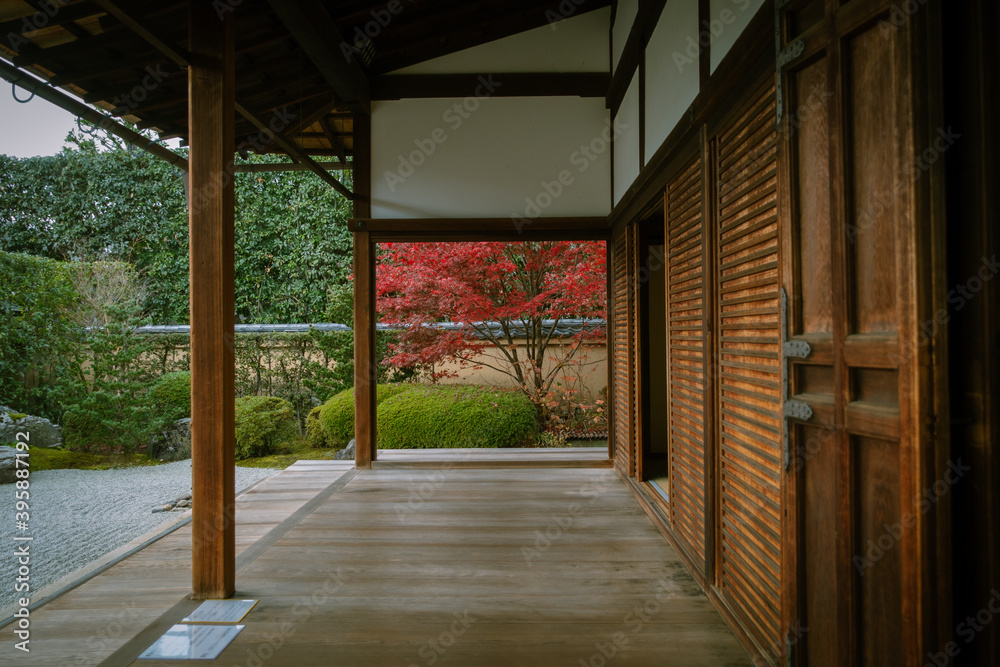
(491, 157)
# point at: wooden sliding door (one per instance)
(860, 273)
(748, 372)
(688, 357)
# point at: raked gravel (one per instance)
(77, 516)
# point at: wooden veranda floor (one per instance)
(447, 565)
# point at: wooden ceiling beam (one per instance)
(646, 19)
(80, 10)
(333, 137)
(294, 151)
(67, 24)
(483, 229)
(290, 166)
(136, 27)
(579, 84)
(320, 39)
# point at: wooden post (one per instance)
(212, 211)
(365, 377)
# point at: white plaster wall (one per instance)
(624, 18)
(575, 44)
(672, 78)
(490, 157)
(627, 143)
(730, 18)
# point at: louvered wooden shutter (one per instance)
(624, 414)
(686, 356)
(749, 347)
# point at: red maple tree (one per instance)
(494, 294)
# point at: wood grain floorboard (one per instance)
(402, 567)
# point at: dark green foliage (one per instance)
(456, 416)
(82, 428)
(37, 338)
(97, 200)
(337, 416)
(263, 425)
(170, 397)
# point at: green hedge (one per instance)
(263, 424)
(336, 417)
(456, 416)
(425, 416)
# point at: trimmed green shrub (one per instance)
(170, 397)
(337, 415)
(263, 424)
(83, 429)
(456, 416)
(315, 432)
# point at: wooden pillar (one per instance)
(211, 205)
(365, 375)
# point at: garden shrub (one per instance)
(456, 416)
(170, 397)
(315, 431)
(337, 415)
(83, 429)
(263, 424)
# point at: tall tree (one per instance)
(498, 293)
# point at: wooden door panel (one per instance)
(686, 357)
(872, 207)
(623, 339)
(748, 363)
(876, 517)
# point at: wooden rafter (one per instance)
(294, 151)
(320, 39)
(519, 84)
(333, 138)
(181, 60)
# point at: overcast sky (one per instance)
(35, 128)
